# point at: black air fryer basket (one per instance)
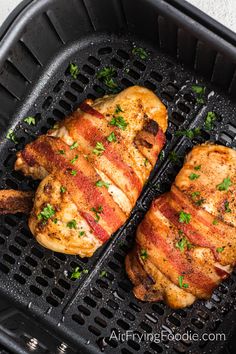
(42, 310)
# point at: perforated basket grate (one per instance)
(85, 311)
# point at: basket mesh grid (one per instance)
(95, 305)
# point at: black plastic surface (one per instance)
(34, 80)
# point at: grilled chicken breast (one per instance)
(186, 244)
(93, 166)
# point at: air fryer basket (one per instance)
(42, 310)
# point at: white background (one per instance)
(223, 11)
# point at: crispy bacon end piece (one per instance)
(12, 201)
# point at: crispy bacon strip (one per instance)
(12, 201)
(80, 180)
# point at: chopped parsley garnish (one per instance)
(197, 201)
(118, 121)
(74, 70)
(73, 172)
(74, 145)
(11, 136)
(200, 92)
(72, 224)
(227, 208)
(189, 133)
(220, 249)
(224, 186)
(162, 155)
(174, 157)
(181, 284)
(61, 152)
(111, 138)
(74, 159)
(99, 148)
(195, 194)
(215, 222)
(63, 189)
(103, 274)
(30, 120)
(47, 212)
(55, 220)
(81, 233)
(210, 120)
(106, 75)
(143, 254)
(198, 167)
(118, 109)
(182, 243)
(97, 211)
(76, 274)
(184, 217)
(140, 52)
(193, 176)
(145, 162)
(101, 183)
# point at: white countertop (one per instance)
(223, 11)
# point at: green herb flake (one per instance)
(197, 168)
(81, 233)
(118, 121)
(74, 145)
(72, 224)
(199, 92)
(140, 52)
(97, 211)
(220, 249)
(103, 274)
(12, 136)
(101, 183)
(99, 149)
(182, 243)
(197, 201)
(181, 284)
(174, 157)
(47, 212)
(224, 186)
(73, 172)
(184, 217)
(77, 273)
(30, 120)
(227, 208)
(106, 75)
(162, 155)
(74, 159)
(74, 70)
(55, 220)
(111, 138)
(189, 133)
(145, 162)
(210, 120)
(63, 189)
(215, 222)
(193, 176)
(118, 109)
(143, 254)
(61, 152)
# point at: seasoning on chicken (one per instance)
(186, 244)
(93, 166)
